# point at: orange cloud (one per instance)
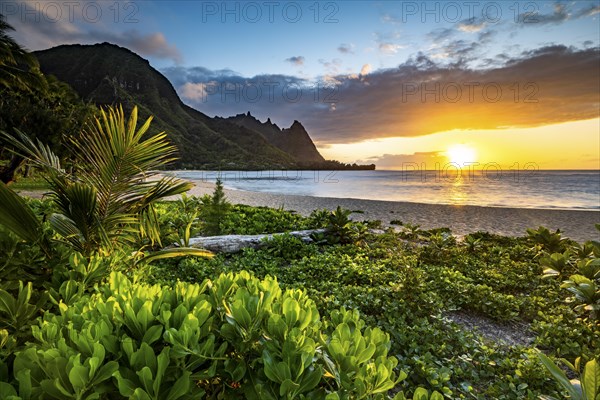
(550, 85)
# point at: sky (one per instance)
(393, 83)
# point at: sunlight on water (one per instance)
(458, 195)
(523, 189)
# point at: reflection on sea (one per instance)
(495, 188)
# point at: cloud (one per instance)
(559, 15)
(486, 36)
(283, 98)
(471, 25)
(461, 52)
(195, 91)
(421, 97)
(332, 68)
(387, 43)
(388, 18)
(332, 64)
(440, 34)
(297, 60)
(366, 69)
(41, 30)
(346, 48)
(418, 97)
(153, 44)
(587, 11)
(389, 48)
(407, 161)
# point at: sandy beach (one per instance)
(577, 225)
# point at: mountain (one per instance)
(293, 140)
(108, 74)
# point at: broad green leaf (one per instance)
(277, 372)
(146, 357)
(16, 215)
(126, 387)
(366, 354)
(146, 378)
(153, 334)
(140, 394)
(105, 372)
(55, 389)
(310, 380)
(591, 380)
(241, 315)
(421, 394)
(161, 367)
(24, 378)
(7, 303)
(79, 377)
(287, 388)
(436, 396)
(177, 252)
(559, 376)
(291, 310)
(144, 316)
(7, 390)
(180, 387)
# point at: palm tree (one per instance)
(18, 68)
(19, 71)
(108, 200)
(50, 115)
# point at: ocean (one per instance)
(544, 189)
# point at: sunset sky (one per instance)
(384, 82)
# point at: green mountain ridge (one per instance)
(293, 140)
(108, 74)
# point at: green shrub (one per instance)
(236, 337)
(340, 229)
(246, 220)
(548, 241)
(288, 247)
(214, 211)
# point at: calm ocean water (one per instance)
(524, 189)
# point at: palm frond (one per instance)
(67, 228)
(166, 187)
(177, 252)
(40, 154)
(16, 215)
(108, 201)
(116, 157)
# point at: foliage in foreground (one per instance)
(234, 337)
(580, 263)
(409, 282)
(109, 197)
(585, 388)
(405, 283)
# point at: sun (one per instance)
(461, 154)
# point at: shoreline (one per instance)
(461, 219)
(412, 202)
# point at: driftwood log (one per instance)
(235, 243)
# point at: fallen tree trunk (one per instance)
(235, 243)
